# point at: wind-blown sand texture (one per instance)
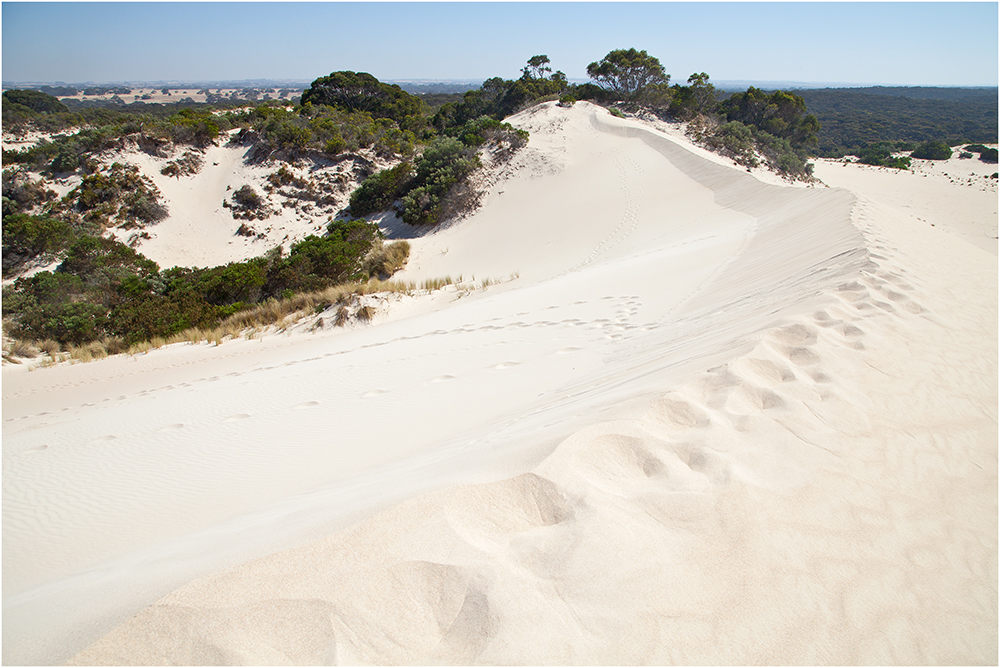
(713, 420)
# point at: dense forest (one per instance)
(852, 118)
(105, 294)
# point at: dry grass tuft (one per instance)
(386, 260)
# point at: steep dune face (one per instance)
(687, 432)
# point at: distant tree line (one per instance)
(854, 118)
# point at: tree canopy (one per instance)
(780, 114)
(628, 73)
(932, 150)
(35, 100)
(360, 91)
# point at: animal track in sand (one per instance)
(506, 365)
(373, 393)
(237, 417)
(442, 379)
(568, 350)
(101, 439)
(307, 404)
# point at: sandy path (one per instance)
(691, 422)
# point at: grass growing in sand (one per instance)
(336, 306)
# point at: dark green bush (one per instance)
(105, 289)
(986, 154)
(932, 150)
(34, 100)
(443, 165)
(360, 91)
(379, 191)
(880, 155)
(27, 236)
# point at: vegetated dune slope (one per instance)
(712, 420)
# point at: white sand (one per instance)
(713, 420)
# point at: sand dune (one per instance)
(712, 420)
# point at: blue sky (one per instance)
(894, 43)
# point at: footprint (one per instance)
(442, 379)
(801, 356)
(568, 350)
(767, 370)
(506, 365)
(749, 398)
(676, 412)
(373, 393)
(308, 404)
(171, 427)
(852, 332)
(794, 335)
(237, 417)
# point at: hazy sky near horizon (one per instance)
(889, 43)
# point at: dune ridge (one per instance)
(714, 421)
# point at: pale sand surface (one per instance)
(712, 420)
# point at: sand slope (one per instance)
(713, 420)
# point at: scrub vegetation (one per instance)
(101, 296)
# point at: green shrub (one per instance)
(880, 155)
(985, 154)
(441, 168)
(379, 191)
(932, 150)
(27, 236)
(247, 198)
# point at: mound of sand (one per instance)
(713, 420)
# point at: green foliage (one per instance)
(986, 154)
(932, 150)
(120, 195)
(852, 118)
(24, 193)
(630, 75)
(779, 114)
(434, 192)
(880, 154)
(26, 237)
(105, 289)
(379, 191)
(278, 132)
(698, 98)
(498, 98)
(436, 186)
(36, 101)
(360, 91)
(248, 198)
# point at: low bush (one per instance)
(932, 150)
(880, 154)
(379, 191)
